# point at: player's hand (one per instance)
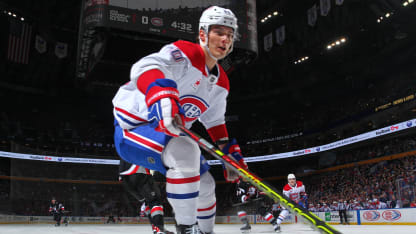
(244, 198)
(232, 149)
(303, 195)
(162, 99)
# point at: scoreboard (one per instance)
(176, 19)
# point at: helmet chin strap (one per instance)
(209, 52)
(205, 45)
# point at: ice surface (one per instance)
(219, 229)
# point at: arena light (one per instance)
(14, 15)
(300, 60)
(10, 13)
(335, 43)
(269, 16)
(22, 19)
(387, 15)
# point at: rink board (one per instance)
(403, 216)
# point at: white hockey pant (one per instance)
(189, 194)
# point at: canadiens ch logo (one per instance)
(193, 106)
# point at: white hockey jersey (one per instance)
(294, 192)
(202, 95)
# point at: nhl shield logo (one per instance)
(151, 160)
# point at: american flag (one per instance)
(20, 34)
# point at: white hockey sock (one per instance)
(207, 205)
(282, 216)
(182, 191)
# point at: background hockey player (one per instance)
(295, 190)
(334, 206)
(248, 194)
(56, 209)
(139, 182)
(312, 208)
(326, 208)
(276, 208)
(182, 81)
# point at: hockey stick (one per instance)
(247, 202)
(271, 192)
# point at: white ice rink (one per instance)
(219, 229)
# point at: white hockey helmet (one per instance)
(291, 176)
(215, 15)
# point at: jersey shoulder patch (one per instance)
(223, 79)
(299, 183)
(194, 53)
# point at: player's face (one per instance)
(292, 182)
(220, 39)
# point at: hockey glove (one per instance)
(303, 201)
(162, 99)
(232, 149)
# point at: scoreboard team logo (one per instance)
(156, 21)
(371, 215)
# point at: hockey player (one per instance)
(182, 82)
(56, 209)
(357, 206)
(312, 208)
(379, 204)
(334, 206)
(276, 209)
(247, 194)
(295, 190)
(326, 208)
(139, 182)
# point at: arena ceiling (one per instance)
(372, 49)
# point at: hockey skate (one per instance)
(157, 230)
(187, 229)
(276, 226)
(246, 228)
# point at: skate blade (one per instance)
(245, 231)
